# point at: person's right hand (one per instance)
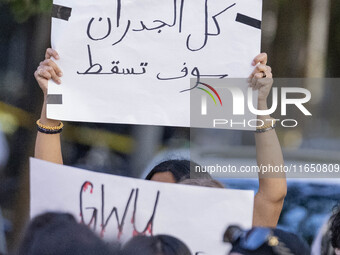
(47, 70)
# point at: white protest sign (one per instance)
(131, 61)
(119, 207)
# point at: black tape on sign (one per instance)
(54, 99)
(248, 20)
(61, 12)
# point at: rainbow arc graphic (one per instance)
(209, 93)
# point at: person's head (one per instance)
(211, 183)
(59, 233)
(264, 241)
(335, 230)
(173, 171)
(155, 245)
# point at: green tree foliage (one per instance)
(24, 9)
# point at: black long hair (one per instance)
(335, 227)
(180, 169)
(155, 245)
(58, 233)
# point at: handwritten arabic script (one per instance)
(140, 59)
(123, 26)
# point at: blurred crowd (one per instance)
(57, 233)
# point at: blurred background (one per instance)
(302, 39)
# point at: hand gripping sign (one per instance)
(132, 61)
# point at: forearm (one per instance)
(47, 146)
(272, 185)
(266, 213)
(268, 149)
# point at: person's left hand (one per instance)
(261, 78)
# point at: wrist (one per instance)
(48, 122)
(262, 105)
(45, 96)
(43, 117)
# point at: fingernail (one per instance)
(58, 81)
(60, 74)
(57, 57)
(253, 63)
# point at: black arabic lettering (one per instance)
(206, 33)
(184, 70)
(127, 71)
(89, 70)
(195, 73)
(96, 69)
(181, 17)
(125, 33)
(119, 7)
(163, 24)
(101, 38)
(159, 24)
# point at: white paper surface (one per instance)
(195, 39)
(198, 216)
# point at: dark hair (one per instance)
(155, 245)
(180, 169)
(59, 233)
(211, 183)
(287, 243)
(335, 227)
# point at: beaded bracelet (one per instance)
(266, 128)
(49, 130)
